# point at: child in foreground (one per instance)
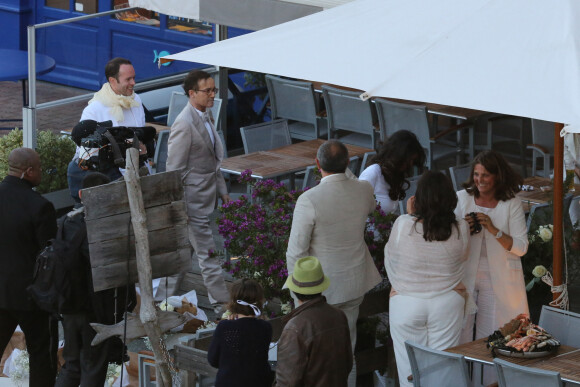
(239, 348)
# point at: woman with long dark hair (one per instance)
(391, 167)
(425, 258)
(494, 272)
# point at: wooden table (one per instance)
(281, 161)
(564, 360)
(537, 196)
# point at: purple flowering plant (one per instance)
(256, 232)
(377, 233)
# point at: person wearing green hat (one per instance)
(314, 348)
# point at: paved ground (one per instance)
(55, 119)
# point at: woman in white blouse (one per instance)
(425, 258)
(391, 166)
(494, 272)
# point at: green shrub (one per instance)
(55, 154)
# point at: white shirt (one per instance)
(373, 175)
(134, 117)
(423, 269)
(207, 125)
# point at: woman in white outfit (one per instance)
(493, 274)
(391, 166)
(425, 259)
(494, 271)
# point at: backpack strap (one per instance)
(77, 238)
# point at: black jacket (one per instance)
(27, 222)
(100, 306)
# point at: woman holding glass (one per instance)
(425, 258)
(493, 274)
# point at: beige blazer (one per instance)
(507, 276)
(190, 148)
(328, 223)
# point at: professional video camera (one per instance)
(106, 147)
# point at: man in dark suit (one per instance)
(195, 146)
(27, 222)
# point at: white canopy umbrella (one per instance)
(518, 57)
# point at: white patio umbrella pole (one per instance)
(148, 313)
(558, 237)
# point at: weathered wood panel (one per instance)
(115, 250)
(193, 359)
(162, 265)
(111, 199)
(159, 217)
(110, 231)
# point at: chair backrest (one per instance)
(265, 136)
(459, 175)
(293, 100)
(435, 368)
(354, 165)
(562, 324)
(346, 111)
(394, 116)
(215, 111)
(310, 177)
(160, 157)
(366, 160)
(541, 214)
(176, 104)
(413, 181)
(510, 374)
(223, 140)
(543, 134)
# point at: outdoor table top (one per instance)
(281, 161)
(537, 196)
(564, 360)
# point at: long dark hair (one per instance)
(435, 201)
(507, 181)
(393, 158)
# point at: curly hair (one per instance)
(507, 181)
(435, 201)
(247, 290)
(401, 151)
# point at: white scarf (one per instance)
(116, 102)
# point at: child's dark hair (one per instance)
(246, 290)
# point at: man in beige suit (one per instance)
(329, 222)
(195, 147)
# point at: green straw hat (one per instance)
(308, 277)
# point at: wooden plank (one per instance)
(110, 199)
(158, 217)
(162, 265)
(193, 359)
(117, 250)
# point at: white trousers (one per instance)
(433, 322)
(485, 324)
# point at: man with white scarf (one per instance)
(116, 101)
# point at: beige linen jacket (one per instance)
(190, 148)
(329, 222)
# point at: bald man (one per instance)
(27, 222)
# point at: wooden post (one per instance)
(558, 237)
(148, 312)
